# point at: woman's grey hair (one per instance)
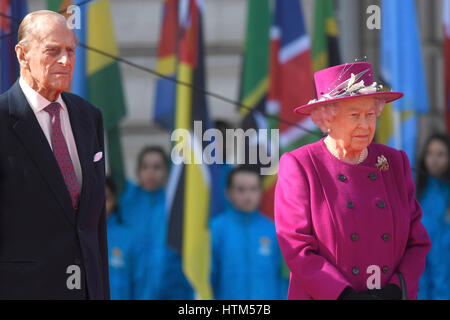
(328, 111)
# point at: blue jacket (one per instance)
(435, 281)
(144, 213)
(246, 259)
(126, 271)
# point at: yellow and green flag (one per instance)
(325, 49)
(97, 78)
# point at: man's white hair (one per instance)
(28, 25)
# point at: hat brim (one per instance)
(388, 96)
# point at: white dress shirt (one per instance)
(38, 103)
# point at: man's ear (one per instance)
(21, 57)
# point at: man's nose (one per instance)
(64, 59)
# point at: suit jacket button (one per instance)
(350, 204)
(355, 270)
(77, 261)
(373, 176)
(342, 178)
(355, 237)
(385, 269)
(381, 204)
(386, 237)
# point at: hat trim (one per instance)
(389, 95)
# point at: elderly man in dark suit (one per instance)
(52, 174)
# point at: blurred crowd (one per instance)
(246, 262)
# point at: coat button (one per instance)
(373, 176)
(77, 261)
(355, 270)
(381, 204)
(385, 269)
(385, 237)
(342, 178)
(355, 237)
(350, 204)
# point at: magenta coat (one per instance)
(335, 219)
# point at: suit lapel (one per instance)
(27, 128)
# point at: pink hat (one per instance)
(346, 81)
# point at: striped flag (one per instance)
(97, 78)
(9, 67)
(402, 69)
(255, 80)
(325, 49)
(255, 66)
(446, 15)
(291, 82)
(188, 190)
(164, 104)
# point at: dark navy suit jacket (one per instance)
(46, 248)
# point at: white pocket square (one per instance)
(98, 156)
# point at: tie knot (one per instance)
(53, 108)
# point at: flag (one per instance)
(12, 14)
(97, 78)
(164, 104)
(325, 50)
(446, 14)
(255, 66)
(188, 190)
(254, 85)
(290, 85)
(402, 69)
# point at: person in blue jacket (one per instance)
(126, 271)
(246, 259)
(433, 190)
(144, 211)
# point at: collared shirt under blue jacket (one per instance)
(144, 213)
(126, 268)
(246, 259)
(435, 201)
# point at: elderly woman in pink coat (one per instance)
(347, 221)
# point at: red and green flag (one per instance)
(189, 187)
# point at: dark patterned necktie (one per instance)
(62, 154)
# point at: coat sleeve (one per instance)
(412, 264)
(102, 238)
(318, 277)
